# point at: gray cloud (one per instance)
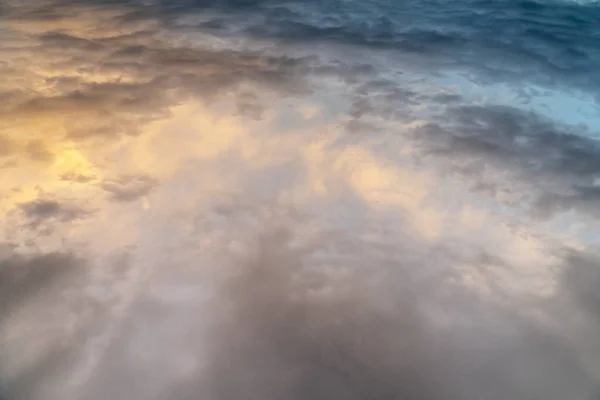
(42, 211)
(110, 77)
(556, 165)
(353, 344)
(580, 279)
(43, 282)
(280, 326)
(78, 178)
(528, 48)
(128, 188)
(23, 277)
(30, 382)
(373, 321)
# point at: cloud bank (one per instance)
(258, 199)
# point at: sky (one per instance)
(261, 199)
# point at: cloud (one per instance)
(495, 146)
(128, 188)
(25, 276)
(337, 346)
(349, 331)
(75, 177)
(46, 210)
(580, 277)
(56, 308)
(562, 54)
(98, 74)
(6, 147)
(313, 201)
(289, 317)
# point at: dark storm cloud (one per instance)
(559, 165)
(41, 211)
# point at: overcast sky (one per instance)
(261, 199)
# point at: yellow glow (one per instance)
(30, 178)
(191, 133)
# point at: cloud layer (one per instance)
(258, 199)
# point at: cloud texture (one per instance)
(299, 200)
